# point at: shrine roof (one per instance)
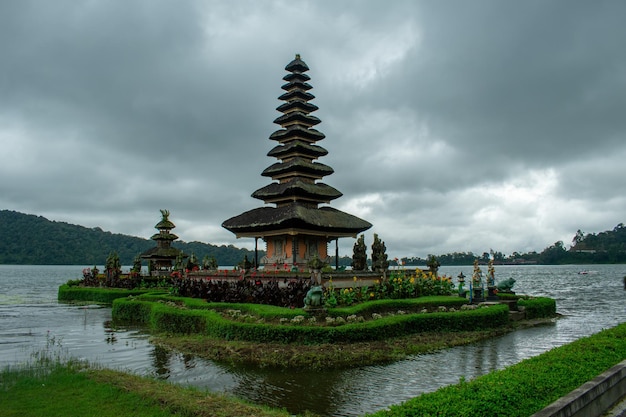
(301, 105)
(297, 132)
(297, 147)
(297, 188)
(297, 65)
(164, 236)
(161, 253)
(296, 76)
(295, 216)
(297, 117)
(296, 165)
(165, 224)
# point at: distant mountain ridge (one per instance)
(28, 239)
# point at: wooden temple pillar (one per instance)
(256, 252)
(337, 253)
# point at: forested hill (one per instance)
(26, 239)
(610, 240)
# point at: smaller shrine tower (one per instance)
(162, 258)
(297, 229)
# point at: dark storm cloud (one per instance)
(451, 126)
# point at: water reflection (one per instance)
(161, 362)
(294, 391)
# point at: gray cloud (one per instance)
(454, 126)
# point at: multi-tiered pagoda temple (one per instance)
(162, 257)
(297, 229)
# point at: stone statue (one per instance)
(379, 255)
(506, 285)
(477, 275)
(359, 256)
(314, 298)
(491, 274)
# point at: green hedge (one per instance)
(538, 307)
(525, 388)
(384, 328)
(508, 296)
(392, 305)
(270, 312)
(182, 315)
(136, 312)
(175, 320)
(95, 295)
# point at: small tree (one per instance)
(359, 255)
(192, 262)
(113, 268)
(433, 264)
(245, 265)
(209, 263)
(136, 270)
(180, 261)
(379, 255)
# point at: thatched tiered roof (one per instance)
(296, 192)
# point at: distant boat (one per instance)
(585, 272)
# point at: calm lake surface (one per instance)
(31, 320)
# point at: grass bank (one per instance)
(525, 388)
(72, 389)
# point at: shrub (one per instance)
(414, 304)
(69, 293)
(175, 320)
(538, 307)
(401, 284)
(176, 316)
(246, 291)
(135, 312)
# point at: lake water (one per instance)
(32, 320)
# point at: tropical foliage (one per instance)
(399, 284)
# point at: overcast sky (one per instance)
(451, 125)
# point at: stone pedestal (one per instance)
(316, 311)
(492, 294)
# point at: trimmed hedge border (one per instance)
(188, 316)
(525, 388)
(70, 294)
(538, 307)
(392, 305)
(180, 315)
